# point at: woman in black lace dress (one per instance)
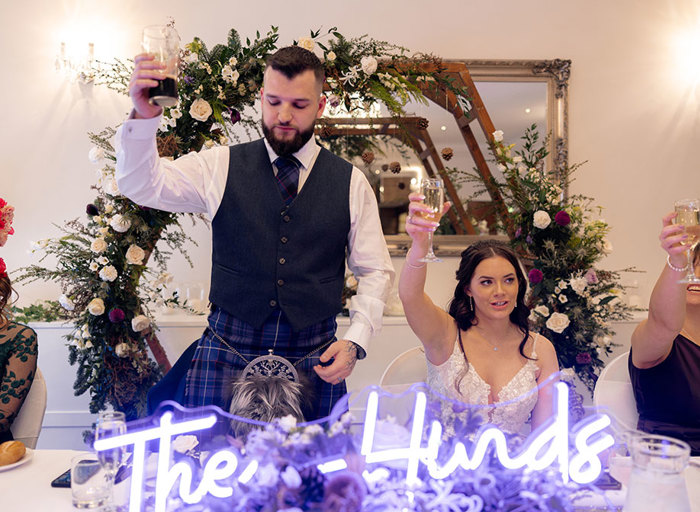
(18, 352)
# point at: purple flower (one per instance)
(583, 358)
(535, 276)
(518, 232)
(562, 218)
(235, 116)
(591, 276)
(91, 210)
(188, 80)
(116, 315)
(529, 240)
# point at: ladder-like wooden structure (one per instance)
(413, 133)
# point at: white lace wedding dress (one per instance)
(515, 400)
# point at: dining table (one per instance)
(26, 486)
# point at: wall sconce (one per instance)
(81, 68)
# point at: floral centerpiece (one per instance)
(561, 242)
(102, 261)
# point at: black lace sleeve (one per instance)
(18, 372)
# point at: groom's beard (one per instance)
(287, 147)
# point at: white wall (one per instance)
(633, 115)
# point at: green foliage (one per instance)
(561, 242)
(44, 311)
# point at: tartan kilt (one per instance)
(215, 366)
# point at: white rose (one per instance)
(120, 223)
(330, 56)
(542, 310)
(112, 188)
(200, 109)
(102, 260)
(122, 350)
(96, 155)
(369, 64)
(557, 322)
(183, 444)
(287, 422)
(135, 255)
(290, 477)
(607, 247)
(96, 307)
(108, 273)
(66, 303)
(541, 219)
(306, 43)
(578, 284)
(140, 322)
(498, 135)
(98, 245)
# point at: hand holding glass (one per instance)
(688, 215)
(434, 193)
(164, 43)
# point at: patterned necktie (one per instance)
(287, 177)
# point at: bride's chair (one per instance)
(27, 424)
(407, 368)
(613, 391)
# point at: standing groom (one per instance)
(285, 215)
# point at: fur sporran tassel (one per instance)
(265, 398)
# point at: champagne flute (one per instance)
(434, 192)
(688, 215)
(110, 424)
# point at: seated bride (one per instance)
(481, 352)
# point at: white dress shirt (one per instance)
(195, 183)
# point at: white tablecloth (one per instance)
(27, 488)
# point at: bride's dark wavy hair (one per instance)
(460, 308)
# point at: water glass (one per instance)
(657, 481)
(89, 482)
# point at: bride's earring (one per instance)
(471, 303)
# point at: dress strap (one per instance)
(533, 354)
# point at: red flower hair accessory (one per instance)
(3, 268)
(7, 214)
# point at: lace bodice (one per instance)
(515, 400)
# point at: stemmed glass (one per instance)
(434, 192)
(688, 215)
(110, 424)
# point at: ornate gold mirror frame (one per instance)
(471, 117)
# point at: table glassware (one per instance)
(90, 487)
(657, 480)
(688, 215)
(163, 42)
(434, 192)
(110, 424)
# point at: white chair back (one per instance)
(613, 390)
(407, 368)
(27, 424)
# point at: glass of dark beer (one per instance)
(164, 43)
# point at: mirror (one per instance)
(516, 95)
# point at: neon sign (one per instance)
(547, 446)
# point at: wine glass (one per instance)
(688, 215)
(434, 192)
(163, 42)
(110, 424)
